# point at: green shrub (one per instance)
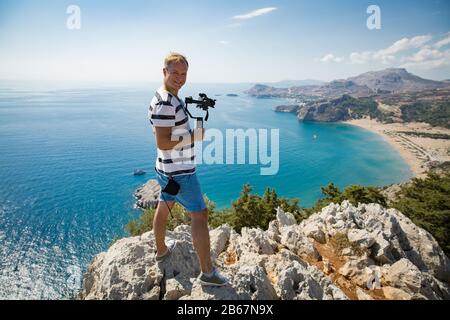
(436, 115)
(254, 211)
(354, 193)
(427, 203)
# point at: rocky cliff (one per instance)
(147, 195)
(287, 108)
(342, 252)
(340, 109)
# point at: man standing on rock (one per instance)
(176, 161)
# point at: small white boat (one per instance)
(139, 172)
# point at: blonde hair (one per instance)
(174, 57)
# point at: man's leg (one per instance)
(200, 238)
(159, 225)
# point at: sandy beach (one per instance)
(418, 152)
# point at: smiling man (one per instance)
(176, 162)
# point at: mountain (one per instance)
(342, 252)
(396, 80)
(330, 90)
(392, 80)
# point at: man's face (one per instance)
(175, 75)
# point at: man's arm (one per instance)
(164, 138)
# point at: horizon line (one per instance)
(109, 81)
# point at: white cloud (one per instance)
(427, 65)
(331, 58)
(389, 54)
(416, 52)
(405, 44)
(425, 54)
(428, 59)
(430, 56)
(254, 13)
(224, 42)
(443, 42)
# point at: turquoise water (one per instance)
(67, 157)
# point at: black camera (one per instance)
(203, 103)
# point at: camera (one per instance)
(203, 103)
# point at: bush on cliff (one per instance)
(427, 203)
(436, 115)
(354, 193)
(251, 210)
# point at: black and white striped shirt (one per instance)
(167, 110)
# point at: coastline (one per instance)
(418, 152)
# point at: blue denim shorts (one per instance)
(190, 195)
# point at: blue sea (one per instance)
(68, 151)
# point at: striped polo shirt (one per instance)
(167, 110)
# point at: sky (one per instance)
(225, 41)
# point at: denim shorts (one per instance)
(190, 195)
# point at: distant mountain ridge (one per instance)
(395, 79)
(392, 80)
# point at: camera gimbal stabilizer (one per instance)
(204, 103)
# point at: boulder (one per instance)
(285, 219)
(395, 294)
(147, 195)
(219, 238)
(361, 237)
